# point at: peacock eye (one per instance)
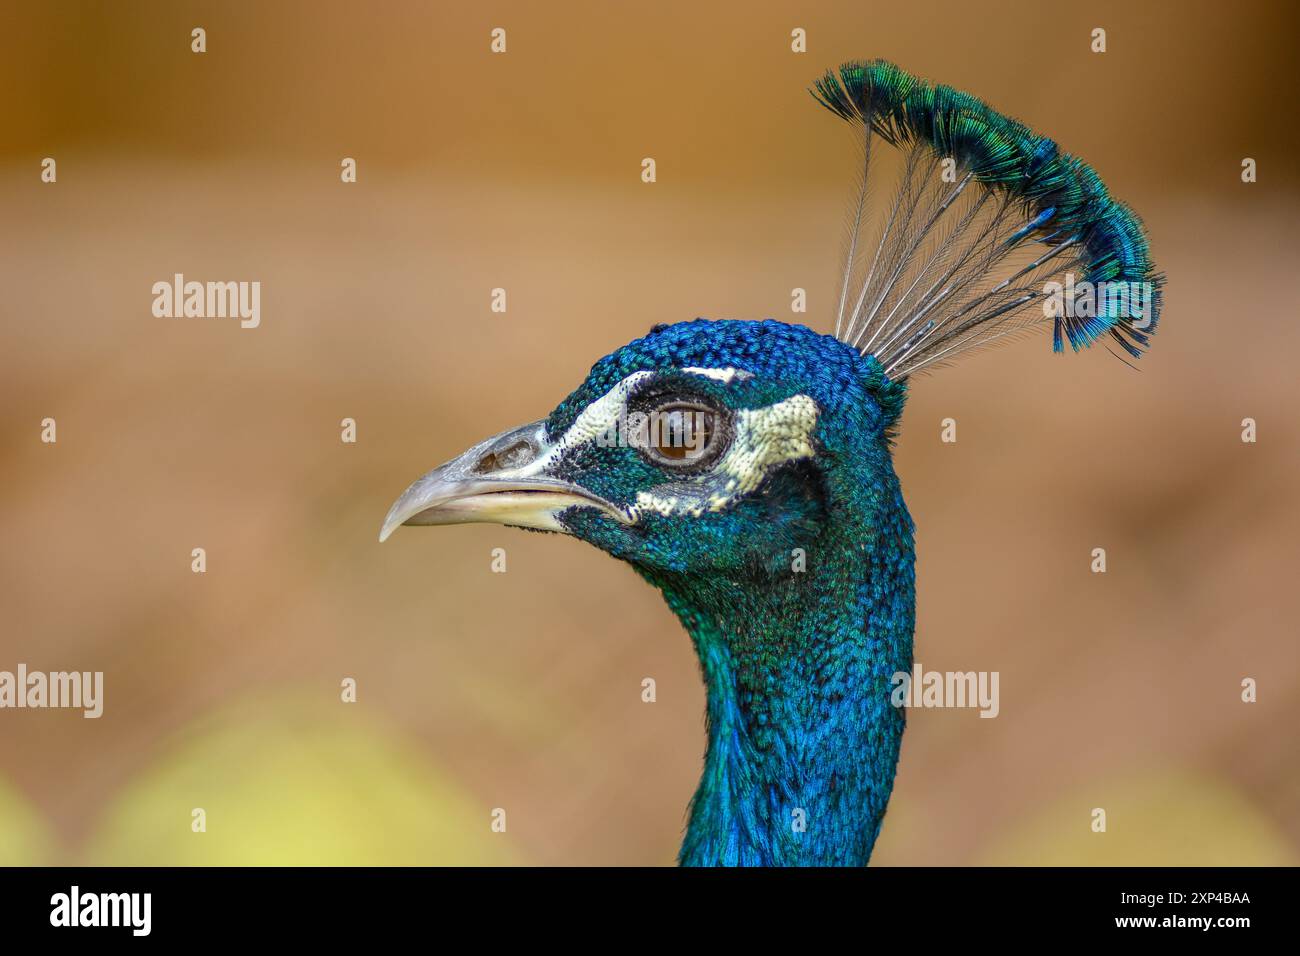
(682, 434)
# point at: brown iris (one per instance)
(680, 433)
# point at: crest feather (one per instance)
(990, 231)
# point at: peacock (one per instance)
(744, 467)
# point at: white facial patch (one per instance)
(594, 420)
(597, 417)
(724, 375)
(763, 439)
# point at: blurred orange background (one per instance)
(521, 691)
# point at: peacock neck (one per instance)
(803, 740)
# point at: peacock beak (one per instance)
(503, 480)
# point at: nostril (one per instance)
(514, 455)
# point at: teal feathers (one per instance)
(1026, 194)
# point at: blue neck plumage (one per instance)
(803, 739)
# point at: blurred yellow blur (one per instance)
(294, 783)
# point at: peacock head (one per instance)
(704, 447)
(707, 453)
